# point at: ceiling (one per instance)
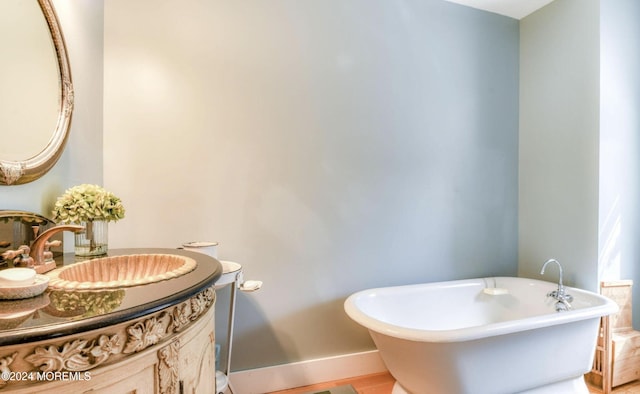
(516, 9)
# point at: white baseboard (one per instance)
(286, 376)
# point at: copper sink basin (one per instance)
(121, 271)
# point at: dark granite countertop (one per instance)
(57, 313)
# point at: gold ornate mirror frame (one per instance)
(19, 172)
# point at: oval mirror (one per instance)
(36, 93)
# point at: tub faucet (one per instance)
(563, 299)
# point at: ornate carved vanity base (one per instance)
(169, 351)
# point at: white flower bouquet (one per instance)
(87, 203)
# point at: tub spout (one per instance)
(560, 295)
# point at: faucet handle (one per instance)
(47, 254)
(49, 244)
(562, 306)
(12, 254)
(20, 256)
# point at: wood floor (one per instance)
(629, 388)
(379, 383)
(382, 383)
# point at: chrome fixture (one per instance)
(563, 299)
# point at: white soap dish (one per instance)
(37, 287)
(17, 276)
(495, 291)
(251, 285)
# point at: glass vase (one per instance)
(93, 240)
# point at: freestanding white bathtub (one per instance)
(482, 336)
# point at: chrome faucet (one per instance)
(563, 299)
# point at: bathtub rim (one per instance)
(476, 332)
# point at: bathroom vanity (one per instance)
(152, 338)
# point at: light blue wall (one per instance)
(620, 144)
(559, 141)
(329, 146)
(378, 140)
